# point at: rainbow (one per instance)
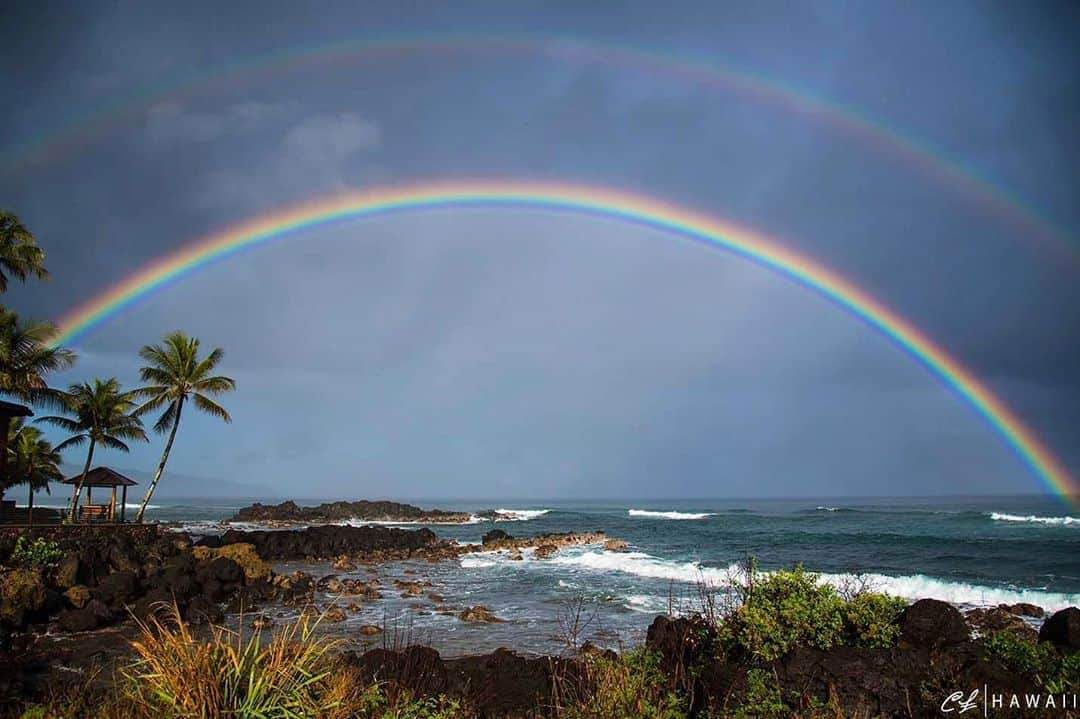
(704, 72)
(588, 200)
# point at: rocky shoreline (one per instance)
(100, 578)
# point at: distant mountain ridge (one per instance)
(175, 485)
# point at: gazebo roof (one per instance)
(10, 409)
(101, 477)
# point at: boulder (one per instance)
(495, 536)
(478, 613)
(95, 614)
(334, 614)
(995, 619)
(930, 623)
(1023, 609)
(67, 571)
(22, 592)
(201, 610)
(344, 564)
(225, 570)
(616, 545)
(1062, 629)
(243, 554)
(78, 595)
(543, 551)
(117, 588)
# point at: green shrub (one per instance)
(871, 620)
(762, 699)
(1040, 661)
(783, 610)
(40, 552)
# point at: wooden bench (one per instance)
(91, 512)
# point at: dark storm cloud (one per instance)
(518, 353)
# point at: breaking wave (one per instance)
(911, 587)
(668, 515)
(1032, 519)
(519, 515)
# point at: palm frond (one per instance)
(210, 407)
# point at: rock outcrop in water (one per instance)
(374, 543)
(362, 510)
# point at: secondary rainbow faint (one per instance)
(597, 201)
(847, 120)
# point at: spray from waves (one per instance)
(518, 515)
(668, 515)
(1032, 519)
(911, 587)
(357, 522)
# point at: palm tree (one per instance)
(20, 255)
(103, 415)
(27, 356)
(176, 373)
(35, 461)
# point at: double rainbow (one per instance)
(601, 202)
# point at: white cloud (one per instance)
(170, 123)
(316, 155)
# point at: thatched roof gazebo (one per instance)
(101, 477)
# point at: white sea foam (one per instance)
(519, 515)
(827, 509)
(478, 561)
(1032, 519)
(669, 515)
(357, 522)
(915, 586)
(646, 603)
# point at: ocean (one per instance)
(971, 551)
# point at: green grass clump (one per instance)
(629, 686)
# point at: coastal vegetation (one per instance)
(101, 415)
(98, 412)
(766, 644)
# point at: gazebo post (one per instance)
(112, 506)
(123, 502)
(89, 499)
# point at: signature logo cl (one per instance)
(962, 704)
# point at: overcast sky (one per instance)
(514, 353)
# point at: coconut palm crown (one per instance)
(101, 415)
(20, 255)
(176, 374)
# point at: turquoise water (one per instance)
(969, 551)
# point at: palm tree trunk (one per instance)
(79, 486)
(161, 465)
(5, 427)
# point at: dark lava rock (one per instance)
(1063, 629)
(201, 610)
(330, 541)
(995, 619)
(95, 614)
(226, 570)
(1023, 609)
(336, 511)
(495, 536)
(931, 623)
(117, 588)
